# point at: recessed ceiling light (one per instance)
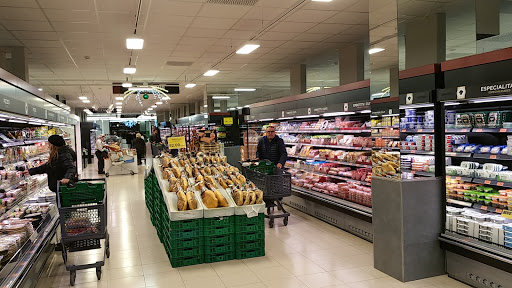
(119, 103)
(166, 98)
(86, 101)
(375, 50)
(245, 89)
(119, 98)
(134, 43)
(158, 103)
(149, 109)
(127, 85)
(82, 98)
(119, 107)
(221, 97)
(129, 69)
(211, 72)
(40, 89)
(190, 85)
(153, 106)
(248, 48)
(205, 106)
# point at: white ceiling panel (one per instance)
(19, 3)
(224, 11)
(24, 25)
(312, 37)
(68, 4)
(349, 18)
(263, 13)
(206, 33)
(334, 5)
(213, 23)
(173, 7)
(75, 26)
(316, 16)
(293, 27)
(38, 35)
(29, 14)
(329, 28)
(278, 36)
(73, 15)
(297, 44)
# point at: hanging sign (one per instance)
(228, 120)
(176, 142)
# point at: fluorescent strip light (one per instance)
(220, 97)
(119, 107)
(321, 0)
(247, 49)
(211, 73)
(205, 106)
(307, 116)
(82, 98)
(247, 106)
(34, 123)
(158, 103)
(492, 99)
(338, 114)
(190, 85)
(365, 111)
(129, 69)
(127, 85)
(390, 115)
(119, 98)
(266, 119)
(416, 106)
(285, 118)
(17, 121)
(86, 101)
(216, 110)
(451, 103)
(119, 103)
(245, 89)
(40, 89)
(375, 50)
(149, 109)
(153, 106)
(134, 43)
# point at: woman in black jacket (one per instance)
(60, 165)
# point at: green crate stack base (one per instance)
(183, 240)
(249, 236)
(219, 239)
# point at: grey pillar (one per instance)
(351, 63)
(197, 107)
(298, 79)
(393, 82)
(487, 18)
(14, 61)
(210, 104)
(425, 41)
(223, 105)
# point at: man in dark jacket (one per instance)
(60, 165)
(272, 148)
(140, 145)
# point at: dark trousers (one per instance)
(140, 155)
(101, 161)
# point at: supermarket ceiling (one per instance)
(77, 47)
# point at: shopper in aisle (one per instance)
(155, 139)
(60, 165)
(272, 148)
(99, 154)
(140, 146)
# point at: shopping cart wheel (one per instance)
(271, 223)
(285, 221)
(133, 173)
(107, 252)
(72, 278)
(98, 272)
(106, 174)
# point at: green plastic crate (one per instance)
(184, 234)
(185, 243)
(241, 220)
(250, 228)
(219, 249)
(244, 254)
(211, 258)
(218, 230)
(250, 245)
(82, 193)
(186, 261)
(185, 224)
(219, 221)
(250, 236)
(186, 252)
(221, 239)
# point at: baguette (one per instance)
(222, 201)
(182, 201)
(191, 200)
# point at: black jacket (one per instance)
(62, 167)
(140, 146)
(275, 150)
(155, 138)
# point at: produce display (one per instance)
(386, 164)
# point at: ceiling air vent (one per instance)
(179, 63)
(235, 2)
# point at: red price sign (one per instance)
(478, 130)
(420, 130)
(484, 208)
(499, 184)
(503, 130)
(492, 157)
(487, 181)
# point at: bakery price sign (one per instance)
(176, 142)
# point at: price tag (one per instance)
(464, 130)
(458, 178)
(483, 208)
(503, 130)
(403, 130)
(499, 184)
(176, 142)
(492, 157)
(478, 130)
(420, 130)
(413, 151)
(487, 182)
(506, 214)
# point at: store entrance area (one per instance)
(306, 253)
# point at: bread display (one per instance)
(176, 171)
(259, 196)
(247, 199)
(184, 183)
(252, 197)
(209, 199)
(222, 201)
(182, 201)
(188, 169)
(191, 200)
(386, 164)
(222, 183)
(238, 197)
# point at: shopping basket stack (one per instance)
(219, 239)
(83, 222)
(249, 236)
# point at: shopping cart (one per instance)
(123, 164)
(83, 222)
(275, 184)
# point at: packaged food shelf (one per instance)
(419, 173)
(461, 178)
(334, 176)
(419, 152)
(492, 157)
(332, 161)
(327, 131)
(487, 208)
(457, 130)
(459, 154)
(333, 146)
(492, 182)
(417, 131)
(458, 202)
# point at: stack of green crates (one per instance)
(219, 239)
(184, 242)
(249, 236)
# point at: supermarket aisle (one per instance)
(307, 253)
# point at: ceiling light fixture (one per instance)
(130, 69)
(211, 73)
(127, 85)
(134, 43)
(153, 106)
(158, 103)
(82, 98)
(86, 101)
(120, 98)
(40, 89)
(245, 89)
(190, 85)
(149, 109)
(375, 50)
(119, 103)
(247, 48)
(205, 106)
(221, 97)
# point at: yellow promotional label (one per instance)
(507, 214)
(176, 142)
(228, 121)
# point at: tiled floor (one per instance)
(306, 253)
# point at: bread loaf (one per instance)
(247, 199)
(222, 183)
(176, 171)
(238, 197)
(259, 196)
(184, 183)
(182, 201)
(252, 198)
(222, 201)
(191, 200)
(209, 199)
(189, 171)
